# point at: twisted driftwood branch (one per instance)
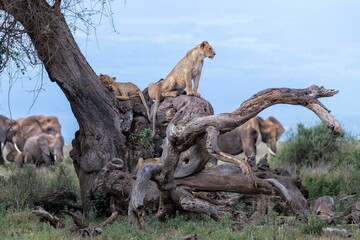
(224, 122)
(192, 122)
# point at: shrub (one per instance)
(24, 185)
(330, 164)
(143, 138)
(320, 182)
(313, 226)
(307, 146)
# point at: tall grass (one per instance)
(20, 187)
(330, 165)
(309, 146)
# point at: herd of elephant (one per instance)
(34, 139)
(38, 139)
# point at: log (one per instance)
(189, 122)
(48, 217)
(57, 201)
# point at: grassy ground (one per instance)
(19, 187)
(25, 225)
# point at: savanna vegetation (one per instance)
(112, 137)
(337, 176)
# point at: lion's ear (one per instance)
(114, 78)
(202, 45)
(101, 75)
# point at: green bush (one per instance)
(313, 226)
(332, 182)
(330, 165)
(22, 186)
(143, 138)
(308, 146)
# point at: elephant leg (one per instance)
(47, 159)
(250, 150)
(2, 160)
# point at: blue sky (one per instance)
(258, 44)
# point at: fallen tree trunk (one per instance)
(189, 122)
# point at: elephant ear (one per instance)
(4, 128)
(279, 127)
(43, 143)
(2, 135)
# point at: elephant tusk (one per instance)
(16, 147)
(271, 151)
(55, 158)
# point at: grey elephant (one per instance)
(43, 149)
(245, 137)
(14, 133)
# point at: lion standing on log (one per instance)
(189, 68)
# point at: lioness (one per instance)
(189, 68)
(124, 90)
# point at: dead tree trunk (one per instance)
(192, 125)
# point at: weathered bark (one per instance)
(190, 122)
(59, 201)
(48, 217)
(83, 228)
(103, 121)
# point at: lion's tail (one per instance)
(157, 103)
(142, 97)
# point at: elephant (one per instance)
(18, 131)
(5, 134)
(245, 137)
(43, 149)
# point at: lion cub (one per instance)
(124, 90)
(181, 76)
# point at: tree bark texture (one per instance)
(190, 126)
(104, 122)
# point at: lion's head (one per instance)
(107, 80)
(207, 49)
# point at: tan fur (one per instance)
(181, 76)
(142, 161)
(124, 90)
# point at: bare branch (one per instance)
(214, 150)
(53, 220)
(227, 121)
(57, 5)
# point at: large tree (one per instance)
(103, 153)
(100, 135)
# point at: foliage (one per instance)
(17, 53)
(143, 138)
(308, 146)
(24, 185)
(27, 226)
(331, 164)
(332, 182)
(313, 226)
